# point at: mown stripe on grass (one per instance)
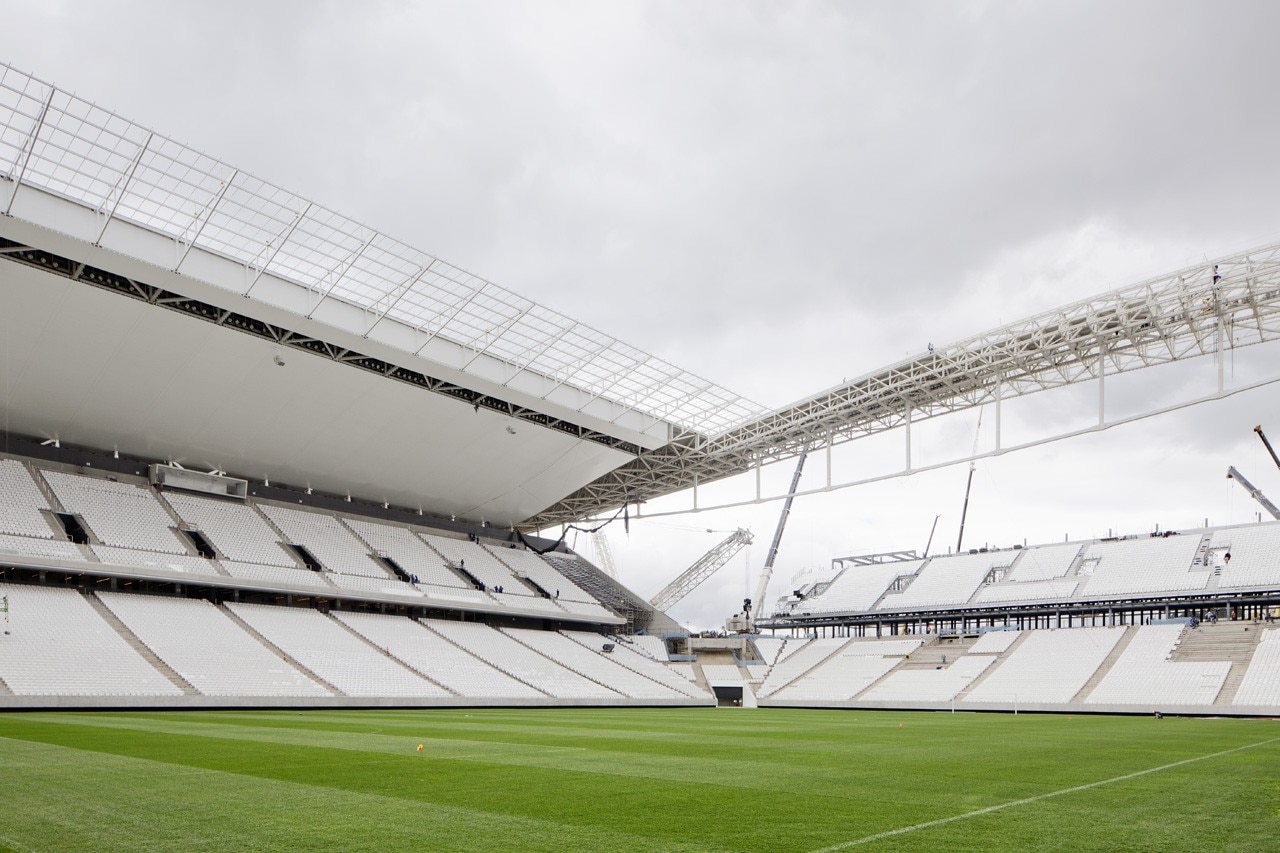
(741, 772)
(879, 836)
(71, 799)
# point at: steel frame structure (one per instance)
(705, 566)
(55, 142)
(1199, 311)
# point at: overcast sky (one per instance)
(774, 196)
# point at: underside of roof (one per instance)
(367, 367)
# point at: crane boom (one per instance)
(1262, 435)
(1254, 492)
(706, 566)
(968, 486)
(766, 573)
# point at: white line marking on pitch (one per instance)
(989, 809)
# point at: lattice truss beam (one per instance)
(1194, 312)
(60, 144)
(706, 566)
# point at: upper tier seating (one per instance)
(1056, 590)
(1144, 675)
(1044, 562)
(56, 549)
(857, 588)
(409, 552)
(278, 574)
(520, 661)
(453, 596)
(236, 530)
(1143, 565)
(1255, 555)
(930, 685)
(555, 584)
(538, 604)
(994, 642)
(380, 586)
(593, 664)
(583, 608)
(332, 652)
(1047, 666)
(1261, 684)
(59, 645)
(945, 581)
(21, 502)
(207, 648)
(436, 657)
(478, 562)
(121, 514)
(153, 559)
(334, 546)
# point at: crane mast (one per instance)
(1254, 492)
(706, 566)
(751, 607)
(968, 486)
(1262, 435)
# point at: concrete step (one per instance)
(386, 652)
(935, 653)
(277, 651)
(1110, 660)
(142, 648)
(1230, 641)
(513, 675)
(1239, 666)
(1000, 658)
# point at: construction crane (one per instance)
(751, 606)
(973, 464)
(706, 566)
(1262, 435)
(604, 553)
(1254, 492)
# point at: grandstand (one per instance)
(312, 472)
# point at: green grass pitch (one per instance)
(635, 780)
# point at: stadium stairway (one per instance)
(712, 657)
(928, 656)
(515, 676)
(387, 653)
(935, 653)
(51, 499)
(802, 674)
(1000, 657)
(278, 652)
(140, 647)
(567, 665)
(1230, 641)
(1105, 667)
(4, 689)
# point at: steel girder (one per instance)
(1198, 311)
(706, 566)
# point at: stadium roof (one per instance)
(98, 200)
(54, 141)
